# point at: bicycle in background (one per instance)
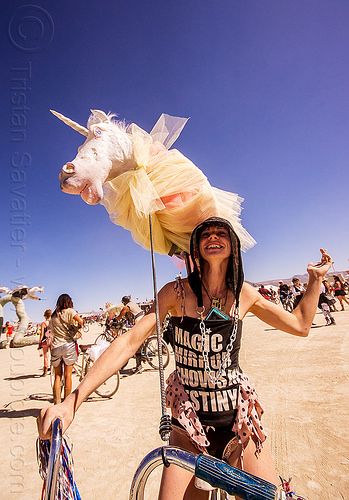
(288, 302)
(82, 366)
(112, 330)
(149, 350)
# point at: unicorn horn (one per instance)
(68, 121)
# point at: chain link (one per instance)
(205, 344)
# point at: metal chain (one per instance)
(204, 345)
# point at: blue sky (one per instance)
(265, 85)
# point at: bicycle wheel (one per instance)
(104, 336)
(86, 327)
(101, 336)
(151, 352)
(289, 306)
(109, 387)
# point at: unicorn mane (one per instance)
(95, 118)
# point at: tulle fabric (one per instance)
(169, 186)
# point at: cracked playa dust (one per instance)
(302, 384)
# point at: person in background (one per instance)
(133, 314)
(328, 291)
(339, 291)
(8, 330)
(45, 341)
(283, 291)
(297, 291)
(64, 351)
(324, 305)
(131, 310)
(265, 292)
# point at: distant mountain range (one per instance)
(303, 278)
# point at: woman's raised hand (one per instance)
(322, 267)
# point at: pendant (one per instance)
(217, 303)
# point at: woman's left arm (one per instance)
(300, 320)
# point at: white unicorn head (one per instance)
(106, 153)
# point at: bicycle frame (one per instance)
(80, 368)
(216, 472)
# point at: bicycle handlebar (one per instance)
(53, 464)
(215, 472)
(232, 480)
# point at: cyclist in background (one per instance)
(131, 310)
(133, 314)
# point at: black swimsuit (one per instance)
(215, 404)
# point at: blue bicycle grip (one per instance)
(234, 481)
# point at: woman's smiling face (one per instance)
(215, 242)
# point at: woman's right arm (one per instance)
(111, 360)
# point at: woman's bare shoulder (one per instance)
(174, 289)
(173, 293)
(168, 287)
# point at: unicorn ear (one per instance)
(79, 128)
(100, 115)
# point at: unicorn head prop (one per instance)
(134, 174)
(106, 153)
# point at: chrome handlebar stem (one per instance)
(215, 472)
(53, 464)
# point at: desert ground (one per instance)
(302, 384)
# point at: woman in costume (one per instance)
(214, 405)
(64, 348)
(339, 292)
